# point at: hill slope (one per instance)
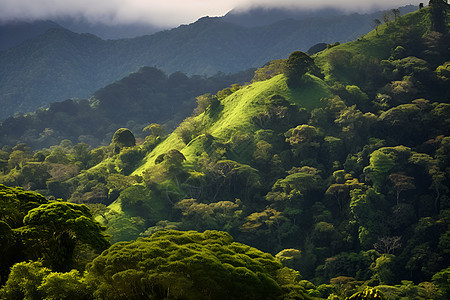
(143, 97)
(61, 64)
(16, 32)
(345, 176)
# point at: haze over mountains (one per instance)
(61, 64)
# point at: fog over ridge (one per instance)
(167, 12)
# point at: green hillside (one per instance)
(236, 113)
(337, 164)
(61, 64)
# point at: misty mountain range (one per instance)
(61, 64)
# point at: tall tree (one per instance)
(296, 66)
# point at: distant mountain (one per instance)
(260, 16)
(108, 31)
(61, 64)
(144, 97)
(16, 32)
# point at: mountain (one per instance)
(61, 64)
(13, 33)
(261, 16)
(16, 32)
(108, 31)
(143, 97)
(337, 164)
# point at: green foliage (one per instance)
(16, 203)
(366, 208)
(147, 94)
(354, 186)
(185, 264)
(68, 285)
(31, 280)
(123, 138)
(296, 66)
(367, 294)
(61, 235)
(441, 279)
(77, 64)
(24, 281)
(128, 159)
(275, 67)
(205, 102)
(222, 215)
(381, 164)
(56, 231)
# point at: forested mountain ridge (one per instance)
(143, 97)
(261, 16)
(61, 64)
(337, 163)
(16, 32)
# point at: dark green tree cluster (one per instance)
(61, 235)
(166, 265)
(296, 66)
(190, 265)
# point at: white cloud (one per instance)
(162, 12)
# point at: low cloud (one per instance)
(345, 5)
(163, 12)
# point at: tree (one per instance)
(294, 193)
(189, 129)
(388, 244)
(270, 70)
(367, 294)
(123, 137)
(205, 102)
(368, 208)
(396, 13)
(297, 65)
(438, 11)
(56, 231)
(339, 192)
(186, 265)
(154, 129)
(380, 165)
(34, 228)
(441, 279)
(31, 280)
(376, 23)
(305, 141)
(401, 183)
(24, 281)
(222, 215)
(386, 17)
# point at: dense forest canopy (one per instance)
(337, 164)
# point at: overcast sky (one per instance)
(164, 12)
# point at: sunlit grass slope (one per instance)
(378, 43)
(237, 110)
